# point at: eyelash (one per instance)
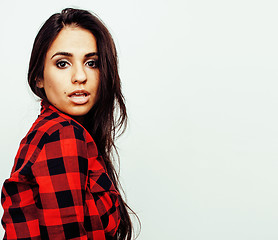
(95, 63)
(59, 62)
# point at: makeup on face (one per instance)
(71, 73)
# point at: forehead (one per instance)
(75, 40)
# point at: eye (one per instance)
(92, 63)
(62, 64)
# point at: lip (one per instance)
(79, 97)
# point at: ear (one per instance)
(39, 83)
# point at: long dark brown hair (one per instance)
(108, 116)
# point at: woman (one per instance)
(63, 184)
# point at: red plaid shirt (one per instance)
(59, 187)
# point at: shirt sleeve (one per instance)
(53, 207)
(61, 174)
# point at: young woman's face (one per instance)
(71, 74)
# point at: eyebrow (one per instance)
(67, 54)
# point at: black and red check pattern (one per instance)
(59, 188)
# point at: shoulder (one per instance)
(53, 135)
(50, 121)
(52, 126)
(49, 125)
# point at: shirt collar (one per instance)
(46, 106)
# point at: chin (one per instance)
(77, 111)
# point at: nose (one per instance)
(79, 75)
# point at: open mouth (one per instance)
(79, 97)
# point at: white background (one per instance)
(199, 159)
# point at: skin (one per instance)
(70, 65)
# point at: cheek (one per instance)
(52, 81)
(48, 78)
(97, 79)
(93, 80)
